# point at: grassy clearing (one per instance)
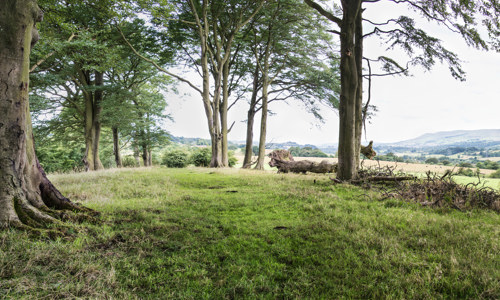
(200, 233)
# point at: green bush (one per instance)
(467, 172)
(496, 174)
(232, 160)
(175, 159)
(432, 161)
(57, 158)
(201, 157)
(129, 162)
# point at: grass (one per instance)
(225, 234)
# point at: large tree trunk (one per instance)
(145, 155)
(26, 194)
(116, 147)
(93, 110)
(347, 168)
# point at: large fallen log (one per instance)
(283, 160)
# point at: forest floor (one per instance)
(199, 233)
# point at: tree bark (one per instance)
(263, 124)
(347, 168)
(223, 113)
(359, 97)
(247, 161)
(93, 110)
(116, 147)
(26, 194)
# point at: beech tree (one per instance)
(461, 17)
(290, 63)
(27, 198)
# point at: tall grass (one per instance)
(224, 234)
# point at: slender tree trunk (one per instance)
(359, 97)
(116, 147)
(145, 155)
(136, 155)
(347, 169)
(223, 113)
(263, 124)
(247, 161)
(26, 194)
(150, 157)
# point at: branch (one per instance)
(325, 13)
(41, 61)
(156, 65)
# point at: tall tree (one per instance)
(27, 197)
(207, 29)
(289, 59)
(399, 32)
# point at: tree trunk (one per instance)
(150, 157)
(359, 97)
(223, 113)
(26, 194)
(136, 156)
(247, 161)
(263, 125)
(93, 110)
(116, 147)
(347, 168)
(145, 155)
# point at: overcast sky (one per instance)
(408, 106)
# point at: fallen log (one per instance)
(283, 160)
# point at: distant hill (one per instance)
(464, 138)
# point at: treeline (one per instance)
(101, 73)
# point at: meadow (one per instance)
(199, 233)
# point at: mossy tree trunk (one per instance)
(27, 197)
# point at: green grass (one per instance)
(224, 234)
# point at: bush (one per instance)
(175, 159)
(129, 162)
(201, 157)
(432, 161)
(232, 160)
(467, 172)
(496, 174)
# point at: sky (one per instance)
(407, 106)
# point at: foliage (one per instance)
(60, 159)
(488, 164)
(129, 162)
(175, 159)
(232, 160)
(306, 152)
(464, 171)
(197, 233)
(389, 157)
(496, 174)
(201, 157)
(432, 161)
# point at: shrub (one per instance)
(496, 174)
(175, 159)
(201, 157)
(432, 161)
(129, 162)
(232, 160)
